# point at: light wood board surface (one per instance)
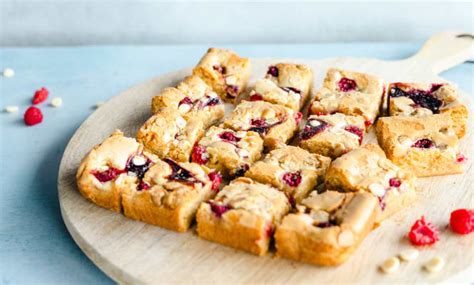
(134, 252)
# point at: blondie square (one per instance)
(170, 194)
(290, 169)
(243, 215)
(276, 124)
(327, 228)
(423, 99)
(350, 93)
(168, 134)
(425, 146)
(285, 84)
(229, 152)
(116, 164)
(332, 135)
(367, 169)
(225, 71)
(192, 98)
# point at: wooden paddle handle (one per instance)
(445, 50)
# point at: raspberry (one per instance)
(40, 95)
(423, 233)
(312, 128)
(143, 186)
(298, 117)
(462, 221)
(269, 229)
(423, 143)
(346, 84)
(394, 182)
(219, 68)
(273, 71)
(256, 97)
(229, 137)
(107, 175)
(357, 131)
(216, 179)
(367, 123)
(461, 158)
(292, 179)
(199, 155)
(217, 209)
(33, 116)
(186, 100)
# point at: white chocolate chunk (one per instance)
(56, 102)
(180, 122)
(409, 254)
(435, 264)
(139, 160)
(8, 72)
(11, 109)
(184, 108)
(377, 189)
(243, 153)
(390, 265)
(314, 123)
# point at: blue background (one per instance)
(35, 246)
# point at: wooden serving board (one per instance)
(134, 252)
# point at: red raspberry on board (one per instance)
(462, 221)
(40, 95)
(423, 233)
(216, 179)
(33, 116)
(199, 155)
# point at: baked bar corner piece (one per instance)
(168, 134)
(170, 194)
(192, 98)
(350, 93)
(332, 135)
(292, 170)
(276, 124)
(285, 84)
(367, 169)
(229, 152)
(327, 228)
(425, 146)
(424, 99)
(243, 215)
(116, 164)
(225, 71)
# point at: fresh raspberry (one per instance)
(33, 116)
(298, 117)
(216, 179)
(293, 179)
(357, 131)
(423, 143)
(40, 95)
(143, 186)
(461, 158)
(256, 97)
(462, 221)
(229, 137)
(258, 122)
(199, 155)
(423, 233)
(107, 175)
(394, 182)
(186, 100)
(217, 209)
(312, 128)
(346, 84)
(273, 71)
(368, 123)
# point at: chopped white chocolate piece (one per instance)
(409, 254)
(180, 122)
(11, 109)
(56, 102)
(8, 72)
(435, 264)
(184, 108)
(377, 189)
(139, 160)
(390, 265)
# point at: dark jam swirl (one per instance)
(421, 98)
(181, 174)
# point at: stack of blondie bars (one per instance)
(316, 196)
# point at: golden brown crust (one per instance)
(281, 121)
(327, 228)
(398, 136)
(290, 161)
(223, 69)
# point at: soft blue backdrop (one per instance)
(34, 244)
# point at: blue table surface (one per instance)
(35, 246)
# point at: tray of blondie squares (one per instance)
(283, 170)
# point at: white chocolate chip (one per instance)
(409, 254)
(56, 102)
(435, 264)
(8, 72)
(346, 238)
(390, 265)
(377, 189)
(180, 122)
(99, 104)
(139, 160)
(103, 168)
(231, 80)
(184, 108)
(243, 153)
(166, 137)
(314, 123)
(11, 109)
